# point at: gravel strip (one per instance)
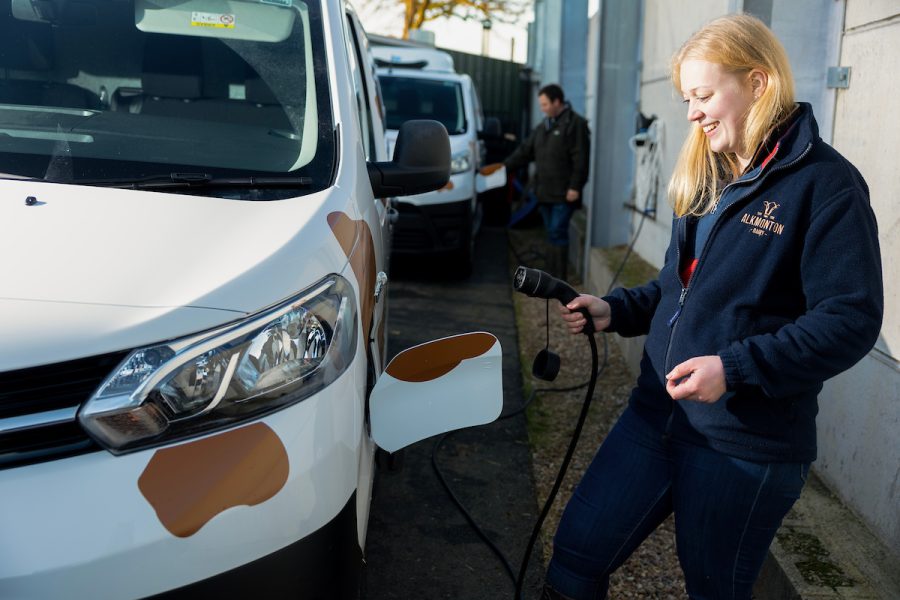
(653, 570)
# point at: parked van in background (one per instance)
(420, 83)
(193, 326)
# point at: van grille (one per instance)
(431, 228)
(411, 240)
(58, 389)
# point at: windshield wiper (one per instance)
(197, 180)
(14, 177)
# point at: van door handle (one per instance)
(380, 282)
(393, 215)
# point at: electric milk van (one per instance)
(420, 83)
(194, 232)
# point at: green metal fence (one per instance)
(501, 86)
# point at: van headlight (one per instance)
(460, 162)
(273, 359)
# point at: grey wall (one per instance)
(573, 57)
(859, 411)
(614, 75)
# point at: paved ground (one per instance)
(419, 545)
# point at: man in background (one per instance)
(560, 148)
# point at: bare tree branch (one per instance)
(419, 12)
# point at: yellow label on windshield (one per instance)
(218, 20)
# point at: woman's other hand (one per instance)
(701, 379)
(597, 308)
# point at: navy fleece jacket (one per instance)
(787, 291)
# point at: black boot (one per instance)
(550, 594)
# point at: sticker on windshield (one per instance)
(285, 3)
(218, 20)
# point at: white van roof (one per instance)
(424, 59)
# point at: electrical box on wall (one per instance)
(839, 77)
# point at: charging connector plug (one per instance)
(538, 284)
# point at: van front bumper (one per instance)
(83, 527)
(324, 565)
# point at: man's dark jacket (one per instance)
(560, 149)
(787, 292)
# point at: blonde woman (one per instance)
(771, 285)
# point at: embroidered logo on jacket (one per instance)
(764, 222)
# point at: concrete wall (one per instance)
(614, 73)
(859, 448)
(666, 26)
(859, 415)
(811, 55)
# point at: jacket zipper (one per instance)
(673, 320)
(673, 325)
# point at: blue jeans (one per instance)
(727, 512)
(556, 221)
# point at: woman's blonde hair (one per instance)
(740, 44)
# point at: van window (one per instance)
(97, 90)
(362, 93)
(407, 98)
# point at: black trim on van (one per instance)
(324, 564)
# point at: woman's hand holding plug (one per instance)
(701, 379)
(596, 307)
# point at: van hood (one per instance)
(136, 258)
(37, 332)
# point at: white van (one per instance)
(194, 232)
(420, 83)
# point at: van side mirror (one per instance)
(491, 130)
(421, 161)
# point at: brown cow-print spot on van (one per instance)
(435, 359)
(189, 484)
(356, 240)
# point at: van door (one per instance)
(370, 82)
(372, 124)
(479, 126)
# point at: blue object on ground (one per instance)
(531, 202)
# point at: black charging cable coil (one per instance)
(539, 284)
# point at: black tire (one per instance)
(361, 581)
(389, 461)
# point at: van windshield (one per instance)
(95, 90)
(407, 98)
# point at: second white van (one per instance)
(421, 83)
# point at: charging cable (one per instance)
(536, 283)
